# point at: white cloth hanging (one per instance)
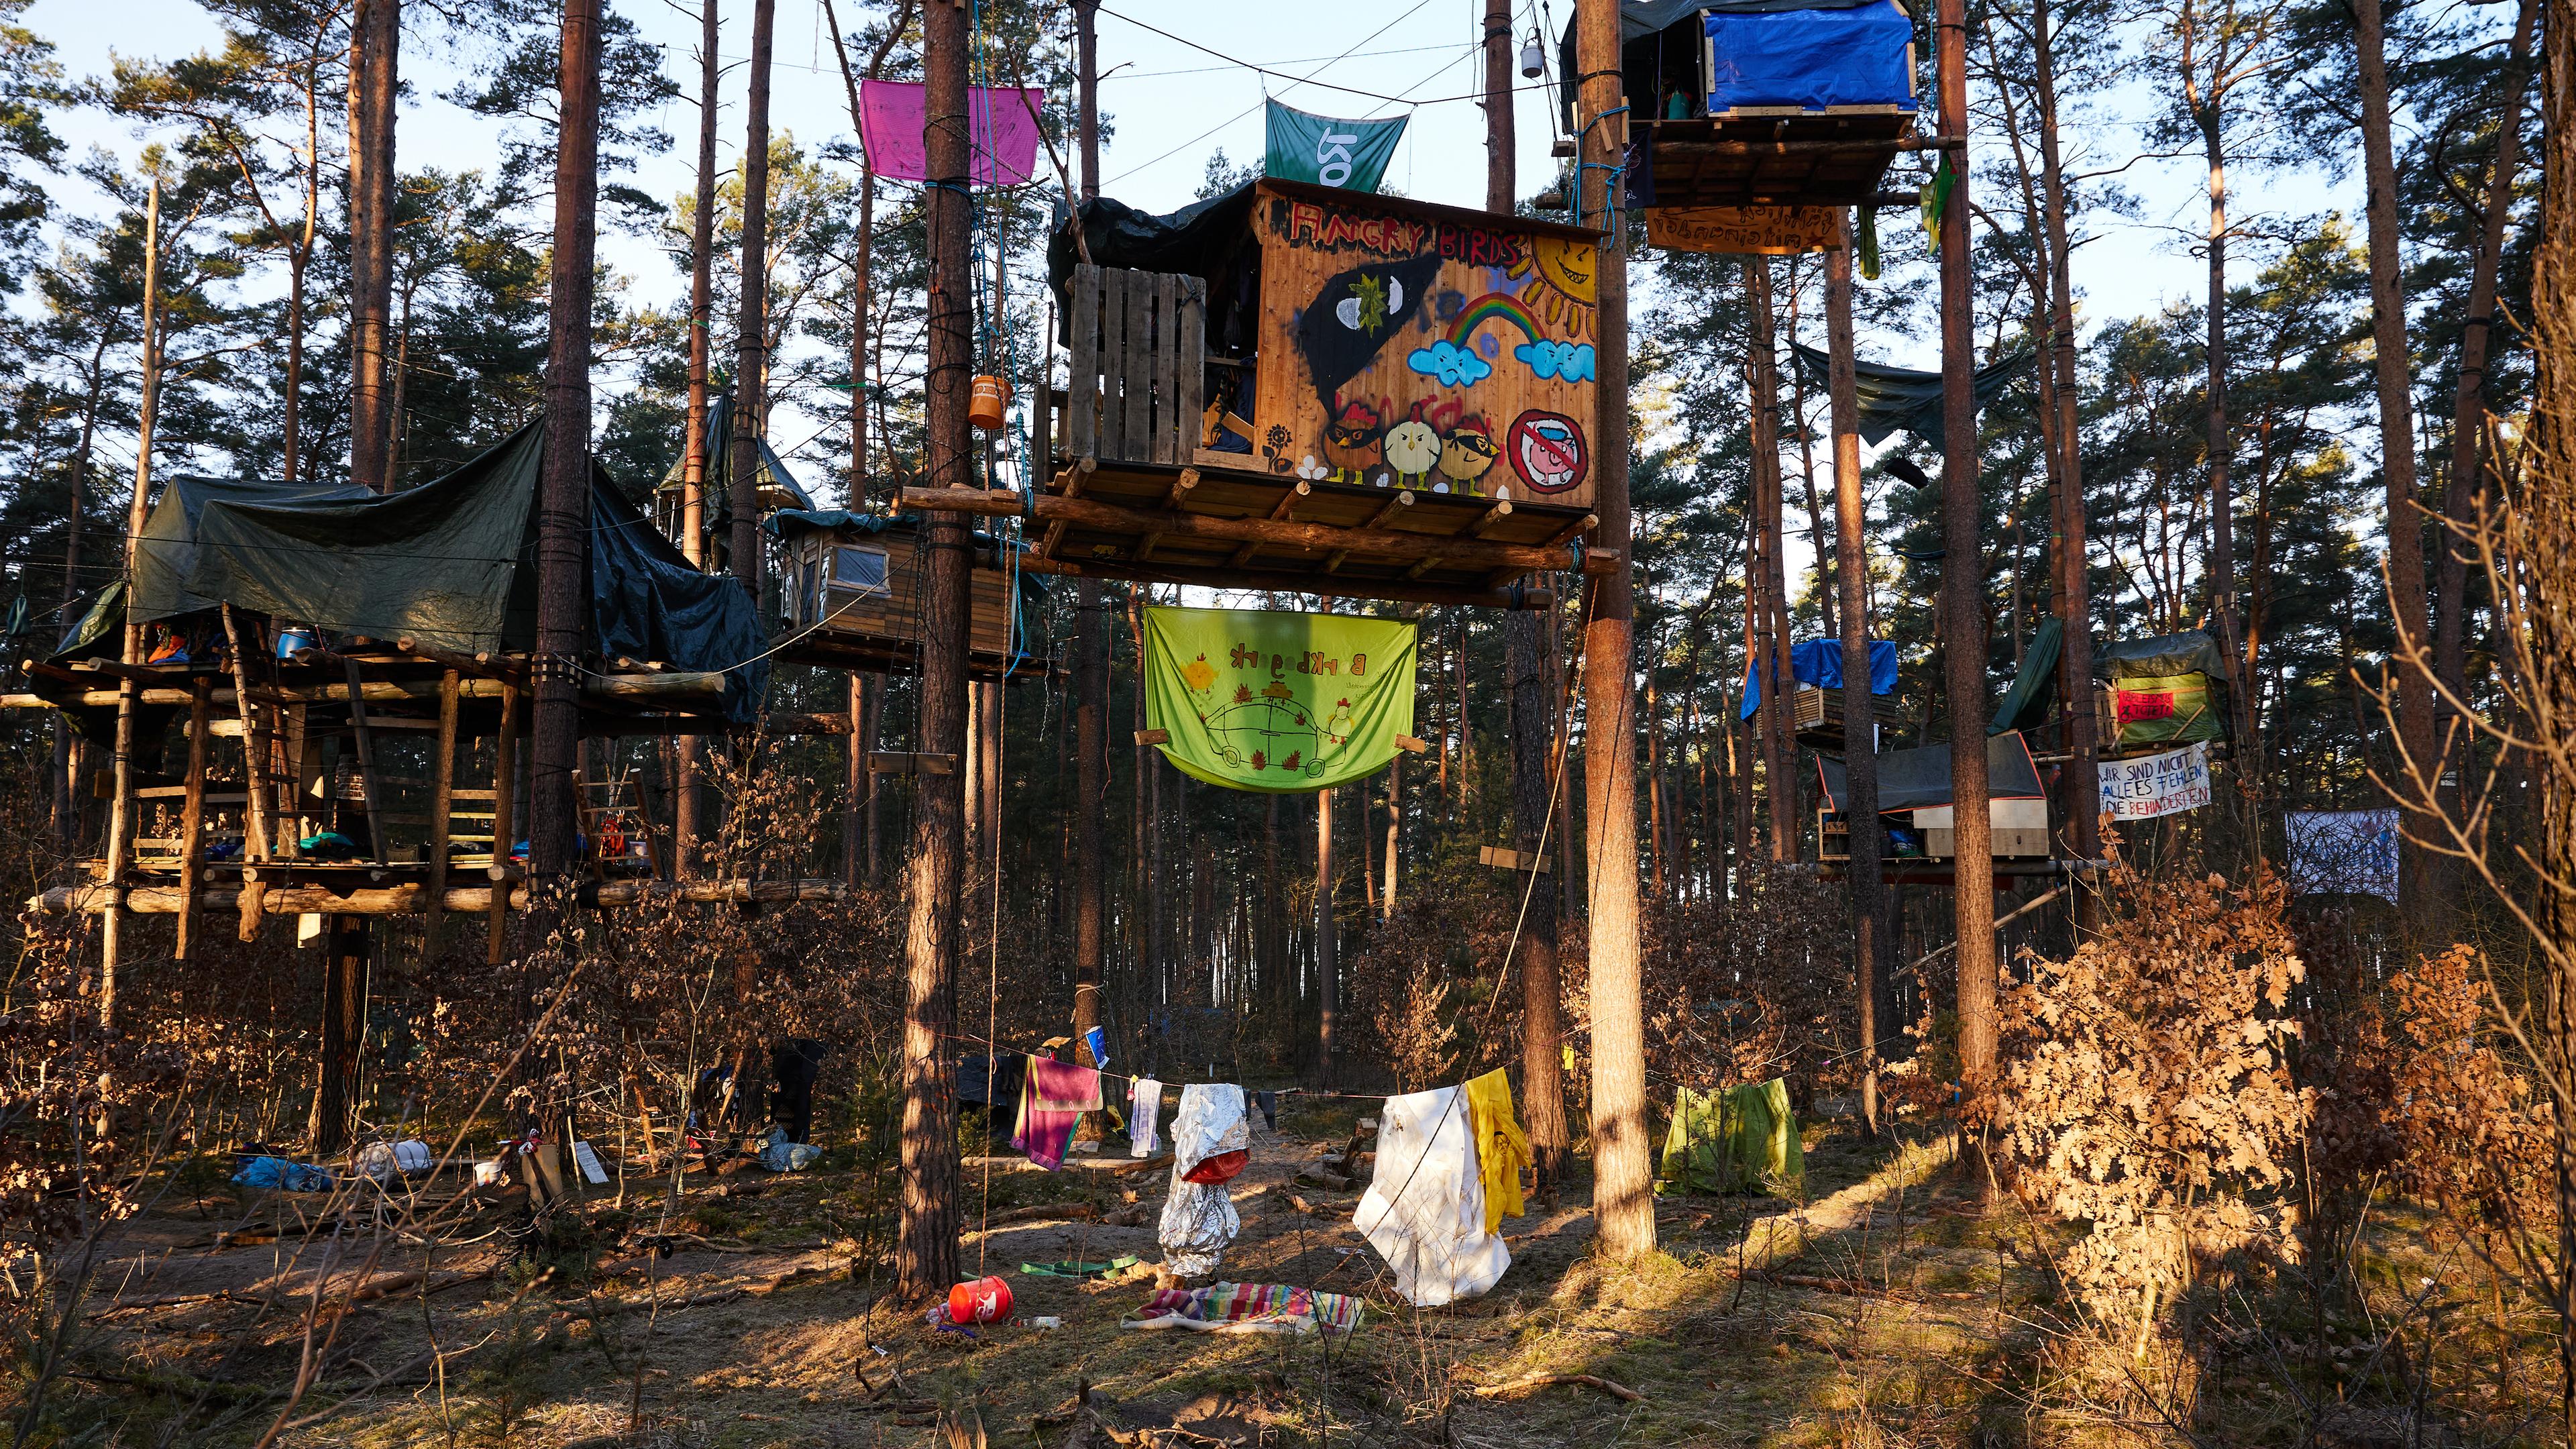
(1199, 1219)
(1424, 1211)
(1144, 1105)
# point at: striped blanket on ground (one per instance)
(1247, 1308)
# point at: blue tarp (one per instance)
(1810, 58)
(1820, 662)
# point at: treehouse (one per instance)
(1748, 121)
(851, 597)
(1311, 390)
(1914, 803)
(349, 643)
(773, 485)
(1815, 694)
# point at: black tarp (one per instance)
(1904, 397)
(1919, 779)
(777, 486)
(452, 563)
(167, 551)
(1211, 240)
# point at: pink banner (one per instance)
(1002, 124)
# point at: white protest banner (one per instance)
(2154, 785)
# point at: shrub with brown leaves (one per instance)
(2146, 1088)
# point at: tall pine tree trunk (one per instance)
(1623, 1197)
(693, 467)
(563, 509)
(375, 36)
(2423, 880)
(1873, 982)
(2074, 581)
(751, 340)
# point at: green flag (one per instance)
(1278, 702)
(1329, 152)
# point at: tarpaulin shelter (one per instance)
(778, 487)
(2165, 691)
(1919, 779)
(1820, 662)
(1664, 41)
(1735, 1139)
(1903, 397)
(450, 564)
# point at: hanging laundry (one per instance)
(1248, 1308)
(1144, 1107)
(1199, 1219)
(1268, 1102)
(1735, 1139)
(1053, 1097)
(1502, 1148)
(1424, 1211)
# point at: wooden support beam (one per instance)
(367, 762)
(407, 898)
(898, 762)
(1412, 746)
(1425, 565)
(1486, 520)
(1319, 538)
(1506, 594)
(1574, 530)
(1181, 487)
(1504, 859)
(505, 789)
(1402, 500)
(1283, 511)
(192, 816)
(442, 799)
(1153, 737)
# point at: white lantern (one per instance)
(1533, 57)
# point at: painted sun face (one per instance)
(1411, 447)
(1569, 266)
(1467, 454)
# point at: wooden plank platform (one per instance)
(1264, 530)
(1772, 156)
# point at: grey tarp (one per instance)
(452, 563)
(1903, 397)
(2034, 686)
(1918, 779)
(2162, 657)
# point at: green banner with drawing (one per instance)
(1328, 152)
(1278, 702)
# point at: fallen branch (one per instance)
(1537, 1381)
(1052, 1212)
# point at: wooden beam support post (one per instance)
(1283, 511)
(442, 799)
(1320, 538)
(192, 816)
(505, 785)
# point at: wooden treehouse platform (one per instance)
(231, 836)
(1770, 156)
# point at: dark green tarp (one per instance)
(1903, 397)
(2034, 687)
(167, 552)
(2162, 657)
(452, 563)
(1920, 779)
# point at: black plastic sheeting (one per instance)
(2034, 687)
(1211, 240)
(1919, 779)
(1903, 397)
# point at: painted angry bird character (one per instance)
(1411, 450)
(1467, 454)
(1353, 438)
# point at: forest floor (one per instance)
(1885, 1308)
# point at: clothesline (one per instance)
(994, 1046)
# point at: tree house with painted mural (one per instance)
(1306, 389)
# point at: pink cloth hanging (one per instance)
(1002, 125)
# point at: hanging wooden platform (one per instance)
(855, 602)
(1770, 156)
(1236, 528)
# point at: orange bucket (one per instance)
(984, 407)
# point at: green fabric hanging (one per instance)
(2034, 686)
(1735, 1139)
(1328, 151)
(1935, 201)
(1868, 242)
(1277, 702)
